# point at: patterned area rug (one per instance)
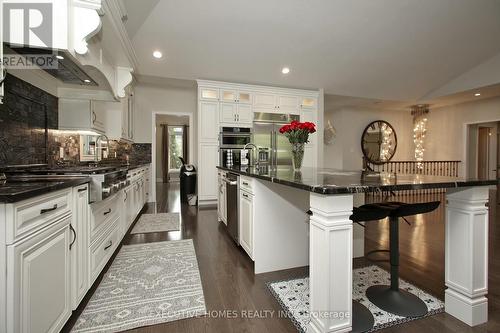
(147, 284)
(157, 223)
(293, 296)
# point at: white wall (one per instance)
(445, 140)
(151, 98)
(345, 152)
(447, 128)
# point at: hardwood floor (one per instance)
(230, 284)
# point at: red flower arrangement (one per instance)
(298, 132)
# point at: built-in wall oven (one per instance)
(231, 141)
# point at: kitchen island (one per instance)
(283, 236)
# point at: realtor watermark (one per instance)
(248, 314)
(27, 24)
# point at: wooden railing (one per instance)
(432, 168)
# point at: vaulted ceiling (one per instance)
(403, 50)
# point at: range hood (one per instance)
(67, 70)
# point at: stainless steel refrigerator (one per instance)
(266, 135)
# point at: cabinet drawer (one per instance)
(246, 184)
(103, 213)
(34, 214)
(103, 249)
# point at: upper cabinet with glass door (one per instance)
(308, 103)
(235, 96)
(209, 94)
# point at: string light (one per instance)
(386, 144)
(419, 130)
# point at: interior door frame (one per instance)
(465, 147)
(153, 143)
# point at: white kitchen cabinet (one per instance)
(208, 114)
(287, 103)
(246, 222)
(276, 103)
(82, 114)
(235, 115)
(207, 172)
(264, 101)
(39, 280)
(79, 245)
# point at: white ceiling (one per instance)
(379, 49)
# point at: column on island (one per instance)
(466, 254)
(331, 246)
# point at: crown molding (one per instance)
(115, 12)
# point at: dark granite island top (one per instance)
(331, 181)
(14, 191)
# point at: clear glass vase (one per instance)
(297, 155)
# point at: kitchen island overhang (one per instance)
(283, 239)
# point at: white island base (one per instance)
(284, 237)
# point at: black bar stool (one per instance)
(362, 318)
(391, 298)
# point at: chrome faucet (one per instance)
(99, 138)
(255, 160)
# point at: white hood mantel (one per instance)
(76, 26)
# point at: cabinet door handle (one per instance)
(82, 189)
(109, 245)
(245, 183)
(245, 195)
(109, 211)
(94, 117)
(126, 196)
(74, 236)
(46, 210)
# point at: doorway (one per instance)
(172, 142)
(482, 150)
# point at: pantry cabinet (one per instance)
(207, 171)
(209, 121)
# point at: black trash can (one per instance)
(188, 183)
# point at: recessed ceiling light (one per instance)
(285, 70)
(86, 81)
(477, 94)
(60, 57)
(157, 54)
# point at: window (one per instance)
(175, 139)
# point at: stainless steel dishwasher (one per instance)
(232, 195)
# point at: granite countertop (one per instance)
(79, 169)
(13, 191)
(331, 181)
(63, 177)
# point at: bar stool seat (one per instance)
(391, 298)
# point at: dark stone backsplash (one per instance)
(25, 116)
(29, 135)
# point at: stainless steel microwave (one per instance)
(234, 137)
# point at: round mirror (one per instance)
(379, 142)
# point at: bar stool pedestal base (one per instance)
(398, 302)
(362, 318)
